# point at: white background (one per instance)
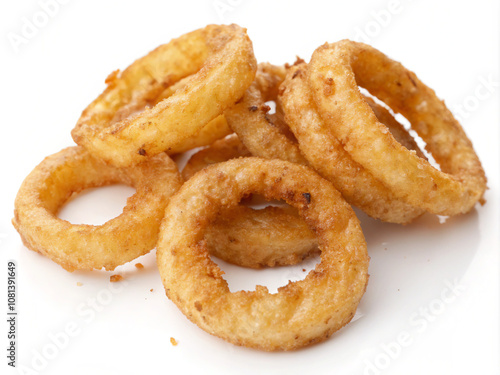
(451, 45)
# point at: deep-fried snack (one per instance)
(269, 237)
(302, 312)
(221, 150)
(248, 118)
(119, 126)
(334, 73)
(85, 247)
(327, 155)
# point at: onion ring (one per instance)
(220, 64)
(328, 157)
(87, 247)
(302, 312)
(248, 118)
(334, 73)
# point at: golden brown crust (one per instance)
(327, 155)
(87, 247)
(206, 57)
(302, 312)
(334, 73)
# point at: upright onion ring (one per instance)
(302, 312)
(328, 157)
(220, 64)
(87, 247)
(248, 118)
(334, 73)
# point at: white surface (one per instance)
(451, 45)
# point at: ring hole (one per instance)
(272, 105)
(255, 238)
(407, 125)
(96, 206)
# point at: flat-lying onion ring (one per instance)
(87, 247)
(220, 64)
(326, 154)
(302, 312)
(334, 73)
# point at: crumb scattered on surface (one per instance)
(150, 290)
(173, 341)
(115, 278)
(79, 284)
(139, 266)
(303, 270)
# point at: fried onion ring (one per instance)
(273, 236)
(334, 73)
(328, 157)
(302, 312)
(119, 126)
(85, 247)
(248, 118)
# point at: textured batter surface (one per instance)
(327, 155)
(334, 73)
(302, 312)
(122, 128)
(87, 247)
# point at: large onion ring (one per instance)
(328, 157)
(220, 64)
(334, 73)
(87, 247)
(272, 236)
(302, 312)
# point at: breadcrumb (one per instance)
(139, 266)
(79, 284)
(115, 278)
(173, 341)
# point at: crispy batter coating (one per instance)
(270, 237)
(221, 150)
(302, 312)
(85, 247)
(249, 119)
(327, 155)
(334, 73)
(122, 129)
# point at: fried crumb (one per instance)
(115, 278)
(139, 266)
(151, 290)
(303, 270)
(173, 341)
(79, 284)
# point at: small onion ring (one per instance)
(220, 64)
(334, 73)
(302, 312)
(248, 118)
(85, 247)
